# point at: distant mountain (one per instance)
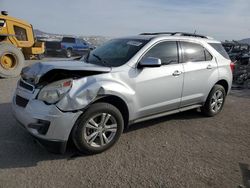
(44, 36)
(247, 40)
(38, 32)
(42, 33)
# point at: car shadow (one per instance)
(245, 171)
(19, 149)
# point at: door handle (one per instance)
(209, 67)
(176, 73)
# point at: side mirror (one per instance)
(150, 62)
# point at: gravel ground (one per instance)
(181, 150)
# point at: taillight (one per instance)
(232, 66)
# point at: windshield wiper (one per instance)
(101, 60)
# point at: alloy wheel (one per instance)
(100, 130)
(217, 101)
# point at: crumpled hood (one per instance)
(33, 73)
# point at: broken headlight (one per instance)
(55, 91)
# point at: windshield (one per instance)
(115, 52)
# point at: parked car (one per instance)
(68, 46)
(241, 74)
(124, 81)
(235, 49)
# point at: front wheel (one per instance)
(98, 128)
(215, 101)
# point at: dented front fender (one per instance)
(86, 90)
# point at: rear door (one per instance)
(201, 72)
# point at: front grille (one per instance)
(20, 101)
(26, 86)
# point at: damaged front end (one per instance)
(50, 97)
(47, 72)
(69, 85)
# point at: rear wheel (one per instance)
(98, 128)
(215, 101)
(11, 60)
(68, 53)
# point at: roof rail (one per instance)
(176, 34)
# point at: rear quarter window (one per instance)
(219, 48)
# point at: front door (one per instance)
(158, 89)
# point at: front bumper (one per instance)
(58, 124)
(53, 146)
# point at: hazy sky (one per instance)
(221, 19)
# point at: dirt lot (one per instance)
(182, 150)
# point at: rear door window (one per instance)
(193, 52)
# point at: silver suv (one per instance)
(124, 81)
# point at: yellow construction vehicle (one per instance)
(17, 42)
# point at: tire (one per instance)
(13, 69)
(215, 101)
(40, 56)
(87, 134)
(68, 53)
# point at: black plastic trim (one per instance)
(53, 146)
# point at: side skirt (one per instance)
(166, 113)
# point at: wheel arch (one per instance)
(224, 84)
(221, 82)
(69, 48)
(119, 103)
